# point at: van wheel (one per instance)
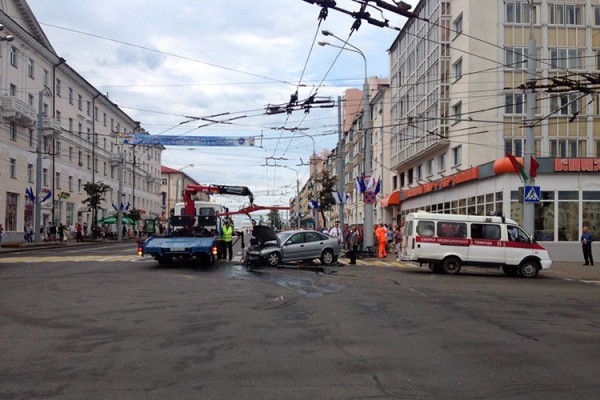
(510, 271)
(529, 269)
(451, 266)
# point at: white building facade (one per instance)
(80, 126)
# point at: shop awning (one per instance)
(391, 199)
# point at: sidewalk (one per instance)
(32, 247)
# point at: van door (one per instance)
(486, 244)
(517, 245)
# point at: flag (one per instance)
(64, 195)
(337, 198)
(127, 206)
(533, 166)
(29, 194)
(370, 184)
(313, 204)
(47, 196)
(517, 166)
(115, 206)
(378, 186)
(359, 182)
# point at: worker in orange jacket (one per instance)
(380, 233)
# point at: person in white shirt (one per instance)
(336, 232)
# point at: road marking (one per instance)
(378, 263)
(55, 259)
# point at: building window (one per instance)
(457, 155)
(457, 112)
(79, 160)
(514, 104)
(89, 162)
(442, 162)
(565, 58)
(30, 100)
(13, 56)
(89, 135)
(104, 119)
(457, 25)
(30, 137)
(430, 167)
(12, 200)
(568, 148)
(30, 173)
(70, 154)
(57, 149)
(79, 103)
(45, 176)
(516, 57)
(514, 146)
(394, 182)
(12, 168)
(80, 129)
(13, 130)
(419, 172)
(46, 78)
(30, 69)
(70, 95)
(518, 12)
(457, 69)
(58, 116)
(13, 90)
(58, 87)
(89, 108)
(565, 104)
(70, 182)
(70, 125)
(79, 185)
(57, 180)
(566, 14)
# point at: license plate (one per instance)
(177, 249)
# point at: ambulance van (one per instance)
(446, 242)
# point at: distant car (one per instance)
(273, 249)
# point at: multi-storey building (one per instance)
(79, 126)
(174, 181)
(458, 104)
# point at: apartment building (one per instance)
(79, 126)
(458, 104)
(173, 182)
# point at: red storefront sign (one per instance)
(576, 164)
(456, 179)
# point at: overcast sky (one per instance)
(162, 61)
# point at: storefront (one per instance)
(570, 196)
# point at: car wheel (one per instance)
(273, 259)
(510, 271)
(529, 269)
(451, 266)
(327, 257)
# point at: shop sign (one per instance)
(576, 164)
(456, 179)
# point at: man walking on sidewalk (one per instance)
(586, 246)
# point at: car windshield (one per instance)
(284, 235)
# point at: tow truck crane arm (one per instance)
(191, 190)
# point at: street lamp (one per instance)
(366, 115)
(177, 182)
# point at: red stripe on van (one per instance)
(444, 241)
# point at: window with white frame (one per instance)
(57, 180)
(516, 57)
(12, 168)
(597, 15)
(46, 78)
(514, 146)
(58, 87)
(79, 103)
(457, 69)
(430, 167)
(457, 155)
(566, 14)
(457, 112)
(13, 130)
(565, 58)
(457, 25)
(514, 104)
(565, 104)
(70, 183)
(30, 173)
(30, 69)
(70, 154)
(45, 176)
(13, 56)
(70, 95)
(442, 162)
(518, 12)
(568, 148)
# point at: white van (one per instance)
(447, 241)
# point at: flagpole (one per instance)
(528, 207)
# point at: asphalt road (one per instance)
(99, 323)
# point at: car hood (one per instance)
(264, 234)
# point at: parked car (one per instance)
(273, 249)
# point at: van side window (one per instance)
(516, 234)
(426, 228)
(452, 229)
(408, 227)
(485, 231)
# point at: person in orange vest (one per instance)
(381, 233)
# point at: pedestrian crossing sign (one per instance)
(532, 194)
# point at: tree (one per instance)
(326, 200)
(274, 218)
(134, 214)
(96, 192)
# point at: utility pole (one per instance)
(120, 198)
(528, 207)
(368, 225)
(340, 166)
(38, 170)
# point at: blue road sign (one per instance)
(532, 194)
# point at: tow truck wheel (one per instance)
(327, 257)
(451, 266)
(273, 259)
(164, 260)
(529, 269)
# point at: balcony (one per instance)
(50, 126)
(17, 110)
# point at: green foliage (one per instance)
(134, 214)
(274, 218)
(96, 193)
(327, 183)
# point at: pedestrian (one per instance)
(79, 232)
(353, 241)
(1, 234)
(61, 232)
(586, 245)
(398, 242)
(51, 232)
(227, 237)
(85, 229)
(381, 235)
(28, 233)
